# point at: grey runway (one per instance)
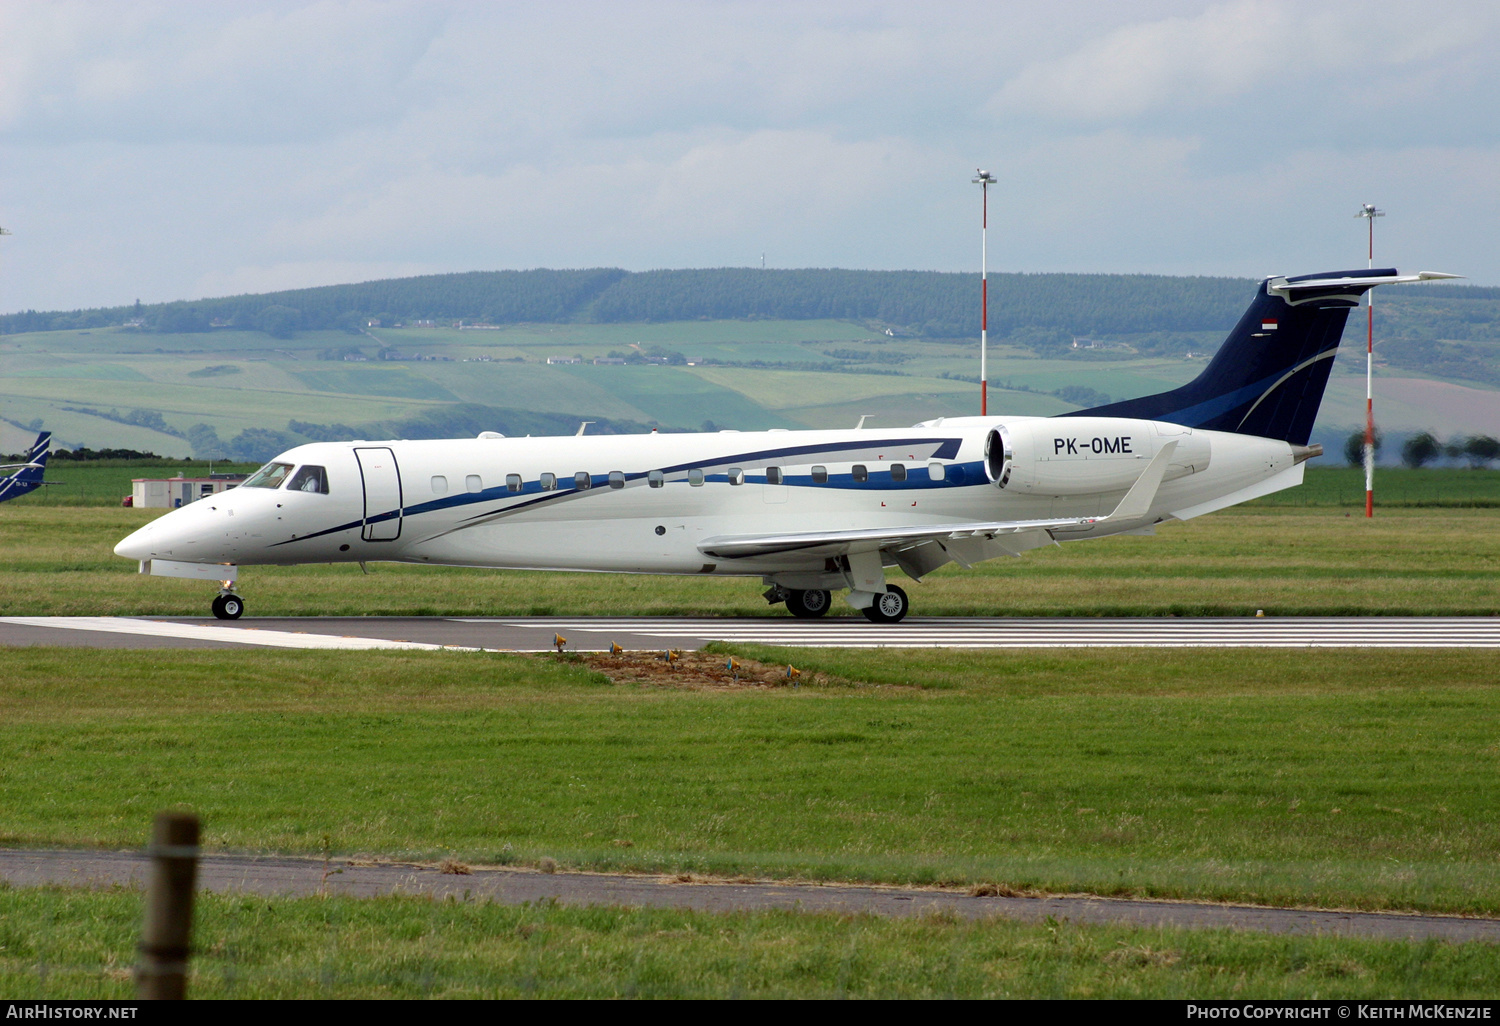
(291, 876)
(536, 634)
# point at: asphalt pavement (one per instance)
(356, 878)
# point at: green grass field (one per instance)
(1395, 488)
(1334, 778)
(1343, 778)
(1286, 561)
(80, 945)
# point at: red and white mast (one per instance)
(984, 180)
(1369, 213)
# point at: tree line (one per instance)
(1424, 448)
(930, 303)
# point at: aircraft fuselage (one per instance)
(650, 503)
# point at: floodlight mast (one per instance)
(1369, 213)
(984, 180)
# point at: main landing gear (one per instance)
(808, 605)
(889, 607)
(228, 606)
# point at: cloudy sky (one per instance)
(162, 151)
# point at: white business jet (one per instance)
(808, 512)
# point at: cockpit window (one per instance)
(309, 479)
(269, 476)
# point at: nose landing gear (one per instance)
(228, 606)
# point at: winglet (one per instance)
(1137, 501)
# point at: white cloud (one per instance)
(1291, 55)
(165, 149)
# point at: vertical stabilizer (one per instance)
(1267, 379)
(28, 478)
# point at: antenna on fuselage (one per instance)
(583, 427)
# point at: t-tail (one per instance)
(1267, 379)
(28, 475)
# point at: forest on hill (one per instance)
(928, 303)
(1451, 331)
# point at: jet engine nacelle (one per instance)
(1086, 455)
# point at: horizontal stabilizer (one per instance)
(1361, 281)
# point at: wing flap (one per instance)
(832, 543)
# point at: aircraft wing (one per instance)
(1134, 510)
(840, 542)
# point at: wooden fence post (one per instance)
(161, 973)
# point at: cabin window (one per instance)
(935, 471)
(549, 482)
(859, 472)
(309, 479)
(473, 484)
(439, 484)
(898, 472)
(695, 477)
(581, 480)
(617, 479)
(656, 479)
(269, 476)
(773, 475)
(820, 475)
(513, 482)
(736, 475)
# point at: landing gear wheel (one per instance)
(891, 607)
(228, 606)
(808, 605)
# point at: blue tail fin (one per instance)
(28, 479)
(1268, 377)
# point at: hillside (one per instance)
(248, 375)
(928, 303)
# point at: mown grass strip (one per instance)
(1327, 777)
(81, 944)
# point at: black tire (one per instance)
(229, 607)
(808, 605)
(891, 607)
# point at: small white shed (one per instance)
(171, 492)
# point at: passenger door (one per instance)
(382, 484)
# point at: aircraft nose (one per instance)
(136, 545)
(180, 534)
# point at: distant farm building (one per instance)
(171, 492)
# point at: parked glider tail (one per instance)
(1267, 379)
(28, 475)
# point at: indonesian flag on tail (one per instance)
(1268, 324)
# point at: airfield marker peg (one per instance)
(161, 974)
(1260, 612)
(615, 649)
(558, 641)
(733, 666)
(792, 673)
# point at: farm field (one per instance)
(1336, 778)
(238, 380)
(78, 944)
